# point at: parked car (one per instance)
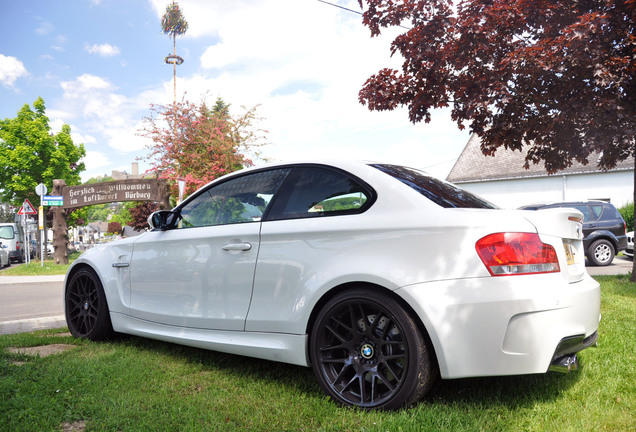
(379, 277)
(4, 256)
(629, 250)
(603, 228)
(12, 235)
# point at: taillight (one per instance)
(17, 245)
(516, 254)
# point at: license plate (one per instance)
(570, 253)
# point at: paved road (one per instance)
(29, 303)
(620, 265)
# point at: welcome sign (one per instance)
(114, 191)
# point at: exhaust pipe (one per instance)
(565, 364)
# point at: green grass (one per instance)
(135, 384)
(35, 268)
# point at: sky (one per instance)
(99, 65)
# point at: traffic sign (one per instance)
(41, 189)
(27, 208)
(52, 200)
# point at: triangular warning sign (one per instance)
(27, 208)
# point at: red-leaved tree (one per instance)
(555, 78)
(140, 214)
(198, 143)
(114, 227)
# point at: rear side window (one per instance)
(6, 232)
(610, 213)
(440, 192)
(317, 191)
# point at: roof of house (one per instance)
(473, 166)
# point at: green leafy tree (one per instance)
(6, 215)
(122, 216)
(30, 154)
(627, 211)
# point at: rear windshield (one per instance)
(440, 192)
(6, 232)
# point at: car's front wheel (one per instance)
(87, 314)
(601, 253)
(367, 351)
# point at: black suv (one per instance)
(603, 229)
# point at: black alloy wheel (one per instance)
(368, 352)
(87, 314)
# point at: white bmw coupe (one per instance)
(379, 277)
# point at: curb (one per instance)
(11, 280)
(32, 324)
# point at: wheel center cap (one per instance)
(86, 305)
(366, 351)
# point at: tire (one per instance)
(366, 351)
(601, 253)
(87, 314)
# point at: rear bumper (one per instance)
(15, 255)
(505, 326)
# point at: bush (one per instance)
(627, 211)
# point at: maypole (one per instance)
(174, 24)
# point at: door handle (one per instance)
(237, 247)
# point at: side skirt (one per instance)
(279, 347)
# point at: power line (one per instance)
(351, 10)
(341, 7)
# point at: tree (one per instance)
(114, 228)
(30, 154)
(555, 78)
(140, 214)
(199, 144)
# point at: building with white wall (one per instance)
(504, 181)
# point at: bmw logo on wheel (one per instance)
(367, 351)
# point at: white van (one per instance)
(12, 235)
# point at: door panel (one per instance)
(196, 277)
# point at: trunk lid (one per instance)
(563, 228)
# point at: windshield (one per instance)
(440, 192)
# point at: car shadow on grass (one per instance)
(509, 391)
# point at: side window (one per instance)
(596, 211)
(319, 191)
(238, 200)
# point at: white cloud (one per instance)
(95, 160)
(105, 113)
(44, 28)
(10, 70)
(103, 50)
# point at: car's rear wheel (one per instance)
(601, 253)
(367, 351)
(87, 313)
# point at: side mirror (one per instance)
(162, 220)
